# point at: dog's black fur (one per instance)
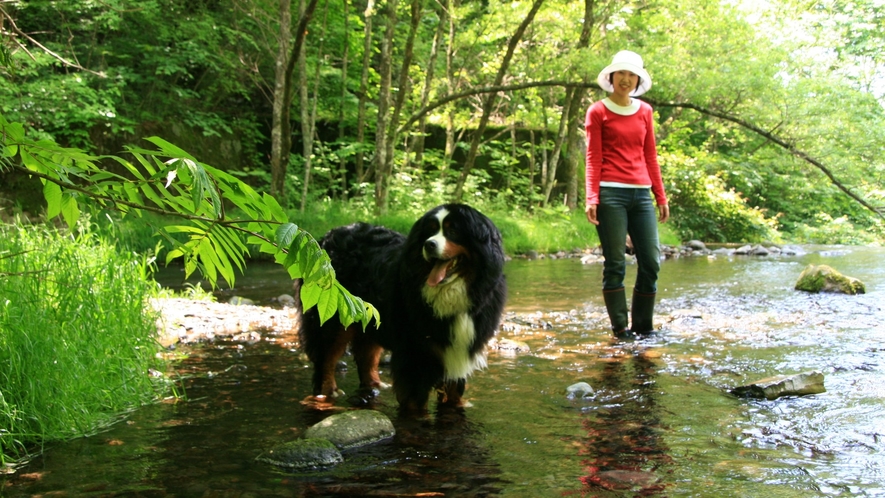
(440, 292)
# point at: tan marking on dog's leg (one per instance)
(451, 393)
(328, 386)
(367, 354)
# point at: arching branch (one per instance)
(776, 140)
(781, 142)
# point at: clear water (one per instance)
(659, 423)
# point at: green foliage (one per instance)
(701, 207)
(77, 341)
(828, 230)
(106, 73)
(169, 181)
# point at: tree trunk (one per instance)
(416, 145)
(403, 87)
(364, 91)
(309, 109)
(381, 150)
(532, 161)
(491, 98)
(342, 163)
(281, 128)
(279, 132)
(557, 144)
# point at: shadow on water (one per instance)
(659, 421)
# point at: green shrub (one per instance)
(702, 208)
(76, 341)
(828, 230)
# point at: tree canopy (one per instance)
(769, 116)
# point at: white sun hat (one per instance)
(631, 61)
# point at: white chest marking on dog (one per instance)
(447, 300)
(456, 358)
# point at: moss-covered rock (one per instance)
(302, 454)
(823, 278)
(352, 429)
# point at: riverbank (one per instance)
(189, 321)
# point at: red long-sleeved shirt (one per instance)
(621, 149)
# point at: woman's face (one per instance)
(624, 82)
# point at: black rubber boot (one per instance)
(642, 313)
(616, 305)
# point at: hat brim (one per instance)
(605, 84)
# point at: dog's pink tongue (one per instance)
(438, 273)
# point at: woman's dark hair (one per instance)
(611, 79)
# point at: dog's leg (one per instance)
(324, 367)
(366, 354)
(451, 394)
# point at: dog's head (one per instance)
(455, 242)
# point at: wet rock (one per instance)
(352, 429)
(760, 251)
(792, 251)
(743, 250)
(302, 454)
(578, 390)
(823, 278)
(286, 301)
(241, 301)
(509, 346)
(784, 385)
(696, 245)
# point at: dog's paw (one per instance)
(321, 403)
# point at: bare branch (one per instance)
(58, 57)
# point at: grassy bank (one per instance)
(76, 343)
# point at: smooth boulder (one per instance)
(352, 429)
(823, 278)
(784, 385)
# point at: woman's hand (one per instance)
(664, 213)
(590, 211)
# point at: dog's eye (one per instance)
(449, 228)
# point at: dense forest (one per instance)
(769, 114)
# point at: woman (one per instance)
(622, 174)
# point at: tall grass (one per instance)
(76, 344)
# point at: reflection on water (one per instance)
(624, 447)
(659, 423)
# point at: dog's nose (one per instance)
(430, 246)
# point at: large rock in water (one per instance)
(823, 278)
(353, 428)
(302, 454)
(784, 385)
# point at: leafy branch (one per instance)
(169, 181)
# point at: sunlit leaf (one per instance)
(70, 210)
(52, 193)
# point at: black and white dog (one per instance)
(440, 292)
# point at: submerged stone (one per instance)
(352, 429)
(784, 385)
(823, 278)
(302, 454)
(578, 390)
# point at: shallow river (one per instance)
(660, 421)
